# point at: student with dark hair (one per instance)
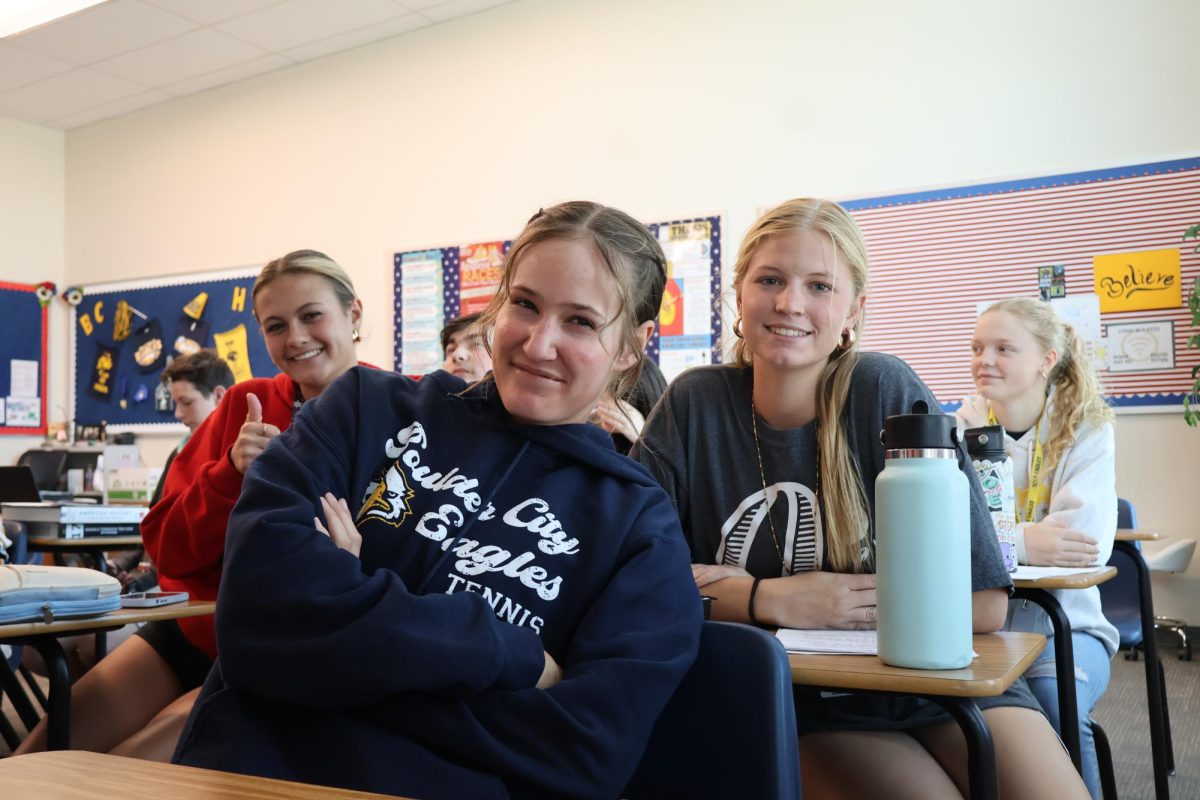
(440, 589)
(464, 352)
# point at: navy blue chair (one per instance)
(730, 728)
(1121, 601)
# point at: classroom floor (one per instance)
(1122, 711)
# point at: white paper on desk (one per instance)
(850, 643)
(1027, 573)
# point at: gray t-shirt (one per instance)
(699, 444)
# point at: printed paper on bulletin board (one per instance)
(935, 254)
(122, 335)
(688, 333)
(433, 286)
(23, 360)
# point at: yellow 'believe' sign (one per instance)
(1135, 281)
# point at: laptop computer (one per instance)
(17, 485)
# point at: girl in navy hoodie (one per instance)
(505, 604)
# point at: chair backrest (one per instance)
(48, 467)
(1119, 599)
(730, 728)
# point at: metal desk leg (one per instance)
(981, 753)
(58, 722)
(1064, 666)
(1154, 687)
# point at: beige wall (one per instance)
(32, 162)
(660, 107)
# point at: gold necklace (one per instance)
(762, 476)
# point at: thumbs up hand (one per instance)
(254, 436)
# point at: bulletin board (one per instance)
(123, 333)
(23, 360)
(935, 255)
(437, 284)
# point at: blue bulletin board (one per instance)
(23, 356)
(122, 335)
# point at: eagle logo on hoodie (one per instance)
(387, 499)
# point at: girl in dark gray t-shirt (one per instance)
(771, 462)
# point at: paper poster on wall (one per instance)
(3, 419)
(480, 267)
(421, 315)
(1141, 346)
(24, 378)
(1082, 312)
(23, 412)
(1138, 281)
(685, 319)
(1052, 281)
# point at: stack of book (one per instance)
(75, 521)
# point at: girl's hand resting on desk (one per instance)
(253, 437)
(1051, 544)
(705, 574)
(818, 600)
(341, 529)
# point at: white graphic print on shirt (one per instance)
(802, 541)
(388, 499)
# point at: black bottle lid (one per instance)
(986, 442)
(920, 430)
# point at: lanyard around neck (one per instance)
(1036, 462)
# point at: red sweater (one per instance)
(184, 532)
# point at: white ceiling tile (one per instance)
(345, 41)
(221, 77)
(97, 113)
(420, 5)
(298, 22)
(21, 67)
(459, 8)
(207, 12)
(103, 31)
(187, 56)
(65, 94)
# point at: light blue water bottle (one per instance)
(923, 544)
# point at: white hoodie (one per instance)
(1083, 496)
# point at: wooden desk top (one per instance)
(78, 775)
(1003, 657)
(40, 543)
(1082, 580)
(1137, 535)
(113, 619)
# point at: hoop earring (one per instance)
(355, 337)
(848, 337)
(737, 327)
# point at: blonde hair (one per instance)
(847, 513)
(1078, 397)
(310, 262)
(633, 257)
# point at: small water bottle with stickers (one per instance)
(995, 470)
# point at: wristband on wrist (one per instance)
(750, 605)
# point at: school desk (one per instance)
(43, 637)
(95, 546)
(1002, 658)
(79, 775)
(1039, 592)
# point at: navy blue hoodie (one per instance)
(412, 669)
